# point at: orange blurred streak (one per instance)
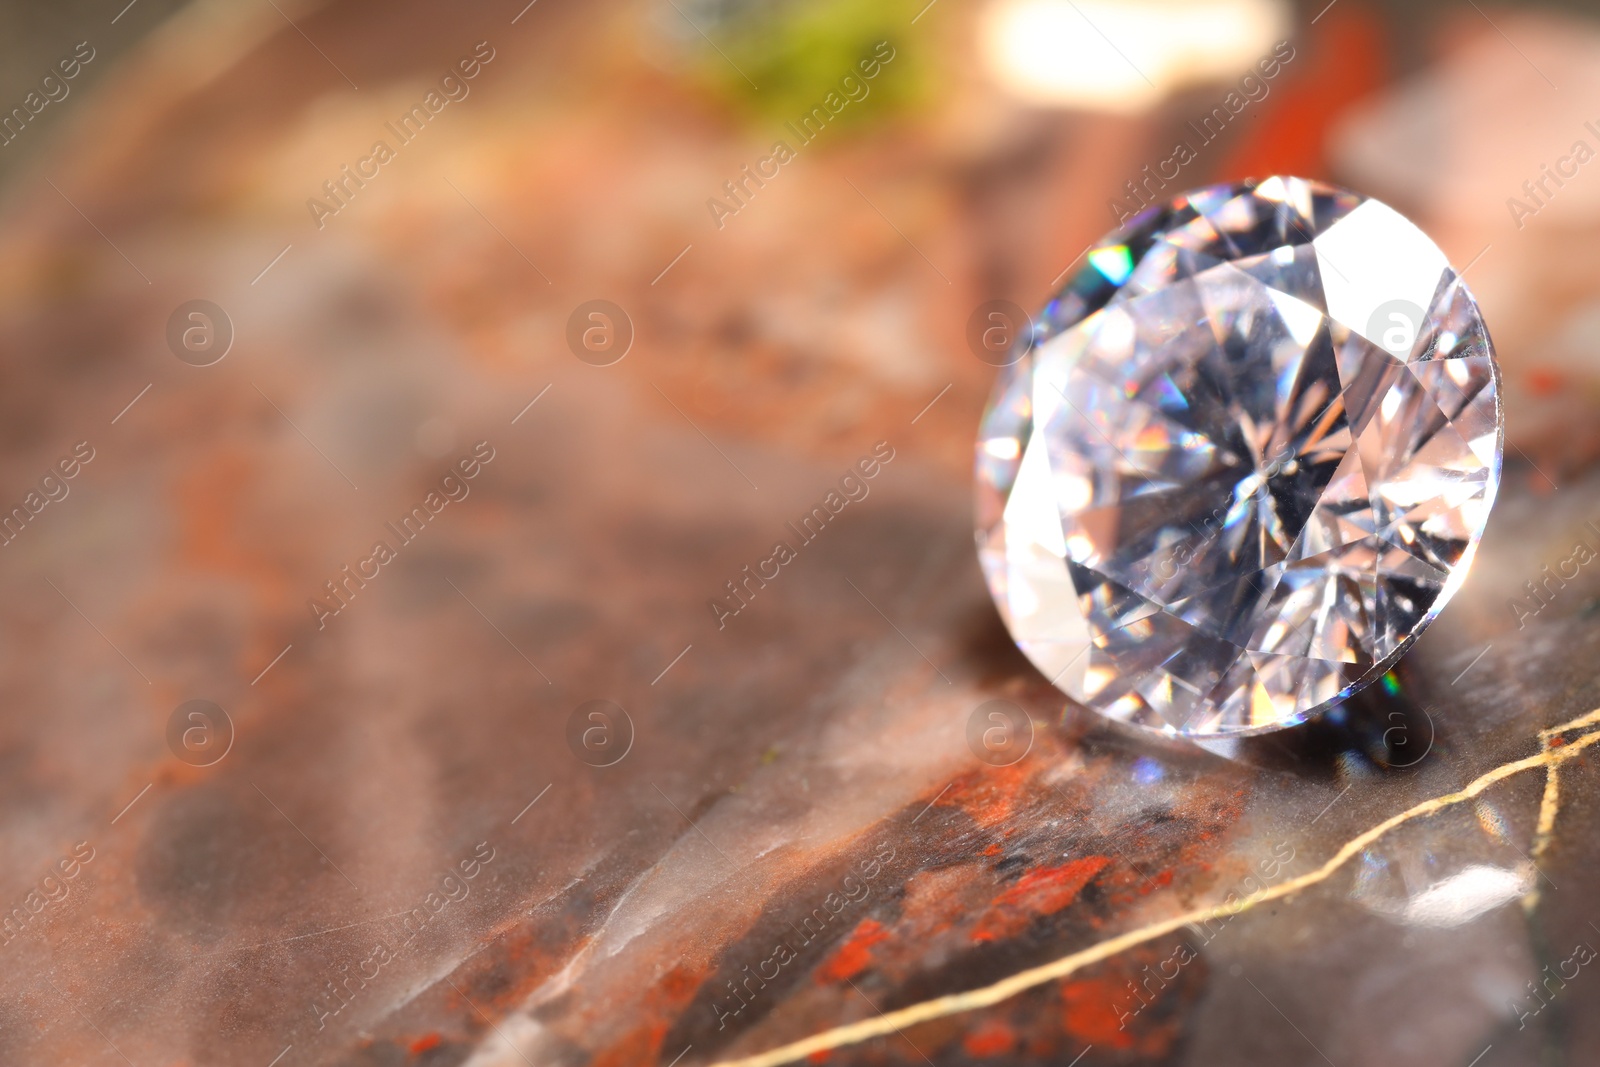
(1347, 60)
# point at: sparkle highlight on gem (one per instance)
(1246, 459)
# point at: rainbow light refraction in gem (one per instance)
(1115, 263)
(1246, 460)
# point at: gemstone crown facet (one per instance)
(1243, 458)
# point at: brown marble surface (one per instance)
(397, 849)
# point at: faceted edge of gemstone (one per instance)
(1458, 574)
(1088, 289)
(1051, 321)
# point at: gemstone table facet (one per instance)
(1244, 458)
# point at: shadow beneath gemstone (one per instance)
(1388, 726)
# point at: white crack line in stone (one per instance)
(1550, 756)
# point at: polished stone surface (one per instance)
(799, 797)
(1242, 461)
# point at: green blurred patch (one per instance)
(798, 53)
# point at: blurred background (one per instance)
(1016, 128)
(598, 298)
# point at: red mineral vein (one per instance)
(852, 957)
(993, 1038)
(1041, 891)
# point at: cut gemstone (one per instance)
(1243, 460)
